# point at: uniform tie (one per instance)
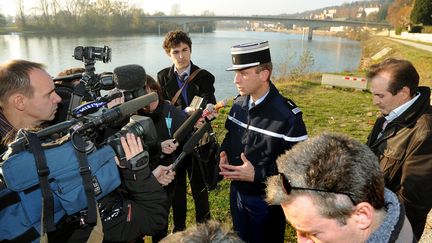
(252, 105)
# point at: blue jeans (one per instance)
(254, 220)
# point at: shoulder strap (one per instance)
(192, 76)
(86, 175)
(47, 217)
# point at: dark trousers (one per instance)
(170, 190)
(199, 192)
(254, 220)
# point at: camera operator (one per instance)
(140, 202)
(27, 98)
(135, 209)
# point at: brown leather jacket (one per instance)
(405, 154)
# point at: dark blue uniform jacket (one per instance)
(262, 133)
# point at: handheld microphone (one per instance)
(210, 107)
(190, 145)
(184, 130)
(129, 77)
(122, 110)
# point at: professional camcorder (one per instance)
(90, 127)
(128, 80)
(90, 53)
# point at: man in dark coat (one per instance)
(402, 136)
(192, 81)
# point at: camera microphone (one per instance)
(190, 145)
(121, 111)
(129, 77)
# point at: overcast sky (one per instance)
(219, 7)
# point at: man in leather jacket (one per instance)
(402, 136)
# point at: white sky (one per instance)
(219, 7)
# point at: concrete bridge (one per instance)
(310, 23)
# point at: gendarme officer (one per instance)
(261, 125)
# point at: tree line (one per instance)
(94, 17)
(404, 13)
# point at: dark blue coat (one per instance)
(262, 133)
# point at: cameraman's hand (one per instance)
(132, 146)
(163, 174)
(169, 146)
(115, 102)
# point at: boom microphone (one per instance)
(129, 77)
(183, 131)
(121, 111)
(190, 144)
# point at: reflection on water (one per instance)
(209, 50)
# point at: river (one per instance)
(209, 50)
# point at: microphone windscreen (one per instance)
(138, 103)
(183, 131)
(193, 141)
(129, 77)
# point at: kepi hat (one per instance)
(249, 55)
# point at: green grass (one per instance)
(324, 109)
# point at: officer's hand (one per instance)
(244, 172)
(223, 160)
(164, 175)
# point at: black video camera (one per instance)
(140, 126)
(92, 53)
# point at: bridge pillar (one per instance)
(310, 31)
(159, 30)
(185, 28)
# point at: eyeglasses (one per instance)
(288, 188)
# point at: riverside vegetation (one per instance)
(341, 110)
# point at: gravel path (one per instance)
(413, 44)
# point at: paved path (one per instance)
(413, 44)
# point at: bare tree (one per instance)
(44, 7)
(207, 13)
(20, 12)
(175, 9)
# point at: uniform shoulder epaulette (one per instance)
(292, 106)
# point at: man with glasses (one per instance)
(331, 189)
(402, 136)
(261, 125)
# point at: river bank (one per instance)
(351, 113)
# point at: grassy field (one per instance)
(325, 109)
